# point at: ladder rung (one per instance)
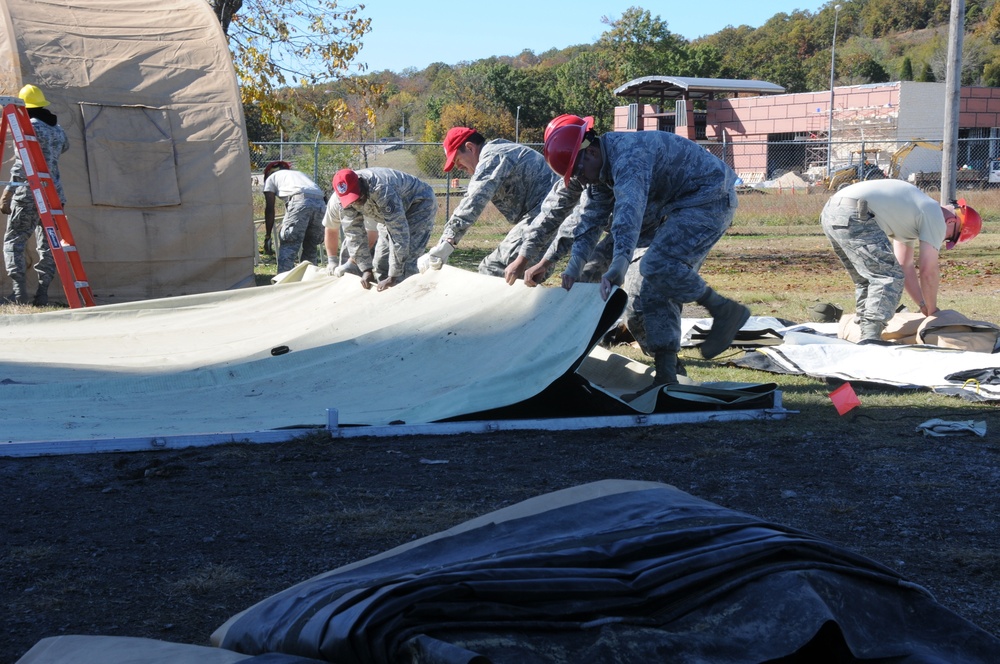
(81, 284)
(68, 247)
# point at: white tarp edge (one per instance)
(438, 345)
(900, 366)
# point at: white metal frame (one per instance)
(160, 443)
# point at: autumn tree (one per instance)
(280, 47)
(639, 44)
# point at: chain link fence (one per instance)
(321, 161)
(784, 184)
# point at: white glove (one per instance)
(331, 266)
(436, 257)
(616, 271)
(340, 270)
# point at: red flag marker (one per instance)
(844, 399)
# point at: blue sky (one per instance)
(415, 34)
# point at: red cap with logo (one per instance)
(453, 140)
(345, 183)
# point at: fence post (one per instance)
(316, 160)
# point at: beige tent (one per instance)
(157, 177)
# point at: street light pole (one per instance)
(829, 129)
(517, 125)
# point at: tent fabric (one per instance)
(966, 374)
(157, 177)
(615, 571)
(437, 346)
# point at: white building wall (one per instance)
(921, 116)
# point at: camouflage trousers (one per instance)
(867, 253)
(509, 248)
(22, 223)
(421, 224)
(301, 231)
(664, 276)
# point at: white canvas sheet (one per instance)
(438, 345)
(900, 366)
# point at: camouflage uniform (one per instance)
(302, 226)
(24, 219)
(516, 179)
(861, 221)
(404, 207)
(663, 193)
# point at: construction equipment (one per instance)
(930, 180)
(896, 160)
(863, 170)
(56, 228)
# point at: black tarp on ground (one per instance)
(611, 572)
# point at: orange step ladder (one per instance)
(67, 259)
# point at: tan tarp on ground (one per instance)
(439, 345)
(157, 177)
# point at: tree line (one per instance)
(326, 93)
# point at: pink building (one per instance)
(761, 132)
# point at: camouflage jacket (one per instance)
(53, 142)
(394, 198)
(514, 177)
(645, 176)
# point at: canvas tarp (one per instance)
(438, 345)
(612, 571)
(157, 177)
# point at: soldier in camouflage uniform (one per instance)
(874, 227)
(404, 207)
(338, 258)
(19, 202)
(663, 187)
(513, 177)
(302, 227)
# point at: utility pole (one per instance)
(833, 62)
(953, 87)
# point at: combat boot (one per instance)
(42, 294)
(666, 365)
(20, 295)
(871, 331)
(727, 319)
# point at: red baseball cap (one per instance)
(453, 140)
(345, 183)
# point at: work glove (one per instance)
(436, 257)
(574, 267)
(8, 196)
(367, 279)
(615, 276)
(331, 266)
(573, 270)
(616, 271)
(268, 246)
(340, 270)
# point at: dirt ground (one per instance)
(168, 545)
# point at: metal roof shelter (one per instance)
(689, 87)
(683, 90)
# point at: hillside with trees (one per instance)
(877, 41)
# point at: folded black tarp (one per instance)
(611, 572)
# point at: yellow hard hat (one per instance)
(33, 97)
